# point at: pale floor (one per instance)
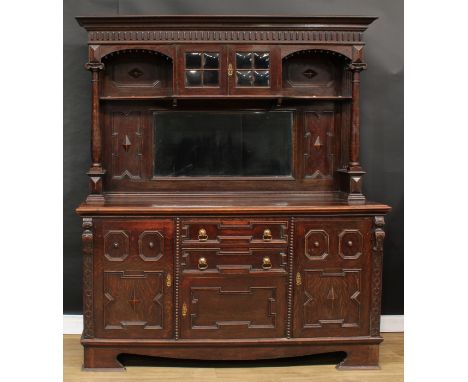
(313, 368)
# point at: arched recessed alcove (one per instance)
(148, 71)
(316, 72)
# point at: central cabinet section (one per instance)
(228, 69)
(233, 278)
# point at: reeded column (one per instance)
(96, 172)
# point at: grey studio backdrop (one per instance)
(382, 114)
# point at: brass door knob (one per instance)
(267, 235)
(202, 263)
(202, 235)
(266, 264)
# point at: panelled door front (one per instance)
(233, 306)
(133, 269)
(332, 277)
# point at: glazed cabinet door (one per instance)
(233, 306)
(254, 69)
(201, 70)
(332, 277)
(133, 278)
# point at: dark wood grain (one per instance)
(229, 267)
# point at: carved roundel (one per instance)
(116, 245)
(316, 244)
(151, 245)
(350, 246)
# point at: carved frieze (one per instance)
(267, 36)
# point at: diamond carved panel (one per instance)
(116, 245)
(151, 245)
(332, 298)
(133, 299)
(350, 244)
(316, 244)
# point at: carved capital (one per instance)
(87, 241)
(94, 66)
(357, 66)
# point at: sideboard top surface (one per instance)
(228, 203)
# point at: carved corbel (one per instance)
(379, 233)
(357, 66)
(87, 242)
(94, 66)
(377, 262)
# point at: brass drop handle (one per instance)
(202, 235)
(266, 264)
(267, 235)
(202, 264)
(230, 70)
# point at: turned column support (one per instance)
(96, 172)
(353, 173)
(354, 141)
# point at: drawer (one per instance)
(216, 260)
(230, 232)
(233, 306)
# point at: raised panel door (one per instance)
(332, 277)
(133, 277)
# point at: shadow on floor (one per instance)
(148, 361)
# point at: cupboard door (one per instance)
(233, 306)
(133, 276)
(332, 277)
(201, 70)
(253, 69)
